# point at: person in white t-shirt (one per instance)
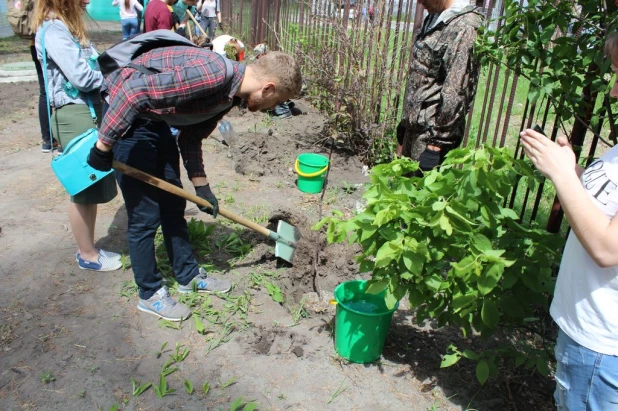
(211, 16)
(128, 16)
(585, 304)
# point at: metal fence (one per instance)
(364, 49)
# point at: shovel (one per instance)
(286, 236)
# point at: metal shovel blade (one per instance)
(287, 236)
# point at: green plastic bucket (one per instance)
(362, 322)
(311, 170)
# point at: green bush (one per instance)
(448, 243)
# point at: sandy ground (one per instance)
(72, 339)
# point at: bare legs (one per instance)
(83, 218)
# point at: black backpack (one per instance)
(122, 54)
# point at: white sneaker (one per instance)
(107, 261)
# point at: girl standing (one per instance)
(211, 16)
(128, 16)
(73, 83)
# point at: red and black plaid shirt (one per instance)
(190, 82)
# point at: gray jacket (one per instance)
(68, 61)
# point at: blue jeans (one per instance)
(129, 27)
(149, 146)
(585, 379)
(209, 24)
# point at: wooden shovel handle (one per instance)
(197, 24)
(171, 188)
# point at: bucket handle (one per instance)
(317, 173)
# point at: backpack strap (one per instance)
(229, 70)
(142, 69)
(90, 105)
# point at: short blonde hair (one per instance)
(611, 48)
(281, 68)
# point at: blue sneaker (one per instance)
(164, 306)
(205, 284)
(107, 261)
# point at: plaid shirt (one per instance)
(190, 86)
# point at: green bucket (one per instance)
(311, 170)
(362, 322)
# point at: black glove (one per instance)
(181, 31)
(100, 160)
(206, 193)
(429, 159)
(175, 19)
(221, 26)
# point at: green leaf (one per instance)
(413, 262)
(490, 277)
(390, 300)
(438, 205)
(449, 359)
(199, 325)
(464, 266)
(471, 355)
(250, 406)
(433, 282)
(206, 388)
(235, 405)
(508, 213)
(446, 225)
(376, 287)
(519, 360)
(490, 314)
(415, 297)
(482, 371)
(542, 366)
(189, 387)
(275, 292)
(462, 301)
(387, 253)
(366, 266)
(481, 243)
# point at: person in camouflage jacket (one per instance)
(442, 82)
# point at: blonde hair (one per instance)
(611, 48)
(282, 68)
(70, 12)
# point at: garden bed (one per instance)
(73, 340)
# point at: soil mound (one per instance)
(334, 264)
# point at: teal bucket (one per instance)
(311, 170)
(362, 322)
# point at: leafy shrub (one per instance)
(447, 241)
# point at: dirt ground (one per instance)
(72, 339)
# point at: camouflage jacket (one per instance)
(441, 82)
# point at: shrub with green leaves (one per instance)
(447, 242)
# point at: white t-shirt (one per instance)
(219, 43)
(131, 11)
(210, 8)
(585, 304)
